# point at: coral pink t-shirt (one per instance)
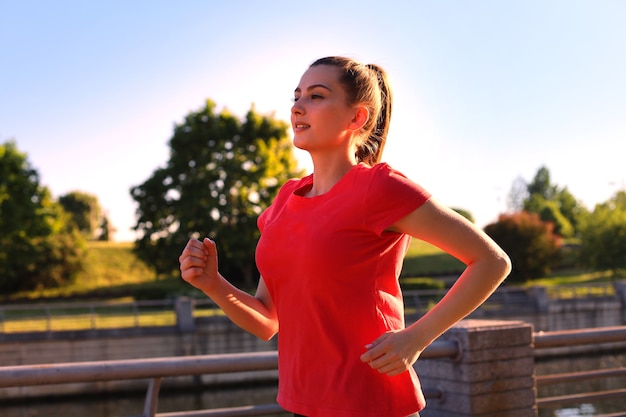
(332, 271)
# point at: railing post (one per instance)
(48, 320)
(92, 316)
(541, 305)
(620, 291)
(184, 315)
(540, 298)
(136, 314)
(494, 375)
(152, 397)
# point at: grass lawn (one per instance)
(112, 272)
(426, 260)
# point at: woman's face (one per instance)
(320, 116)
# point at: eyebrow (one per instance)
(311, 87)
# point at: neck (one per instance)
(327, 172)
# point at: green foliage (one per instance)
(84, 210)
(541, 185)
(572, 209)
(549, 211)
(554, 204)
(529, 242)
(604, 234)
(38, 246)
(222, 173)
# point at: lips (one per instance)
(300, 126)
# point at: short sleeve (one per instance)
(260, 222)
(283, 195)
(390, 197)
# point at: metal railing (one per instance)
(156, 369)
(55, 317)
(84, 316)
(570, 338)
(102, 315)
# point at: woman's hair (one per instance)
(366, 85)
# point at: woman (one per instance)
(330, 254)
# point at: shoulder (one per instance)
(385, 179)
(390, 186)
(381, 171)
(283, 195)
(294, 184)
(390, 196)
(290, 187)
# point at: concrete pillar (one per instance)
(184, 315)
(493, 376)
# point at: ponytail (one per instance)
(371, 150)
(366, 85)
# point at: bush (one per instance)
(531, 244)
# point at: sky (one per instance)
(485, 92)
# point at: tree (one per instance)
(549, 211)
(604, 235)
(106, 229)
(529, 242)
(573, 210)
(39, 247)
(542, 185)
(222, 173)
(553, 204)
(517, 195)
(84, 210)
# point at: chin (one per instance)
(299, 143)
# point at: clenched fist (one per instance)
(198, 263)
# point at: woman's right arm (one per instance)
(253, 313)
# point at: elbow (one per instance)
(266, 336)
(504, 264)
(266, 333)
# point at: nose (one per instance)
(297, 108)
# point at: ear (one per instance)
(361, 116)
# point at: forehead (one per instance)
(319, 75)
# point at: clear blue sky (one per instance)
(486, 91)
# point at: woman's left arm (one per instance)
(487, 266)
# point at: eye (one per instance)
(316, 96)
